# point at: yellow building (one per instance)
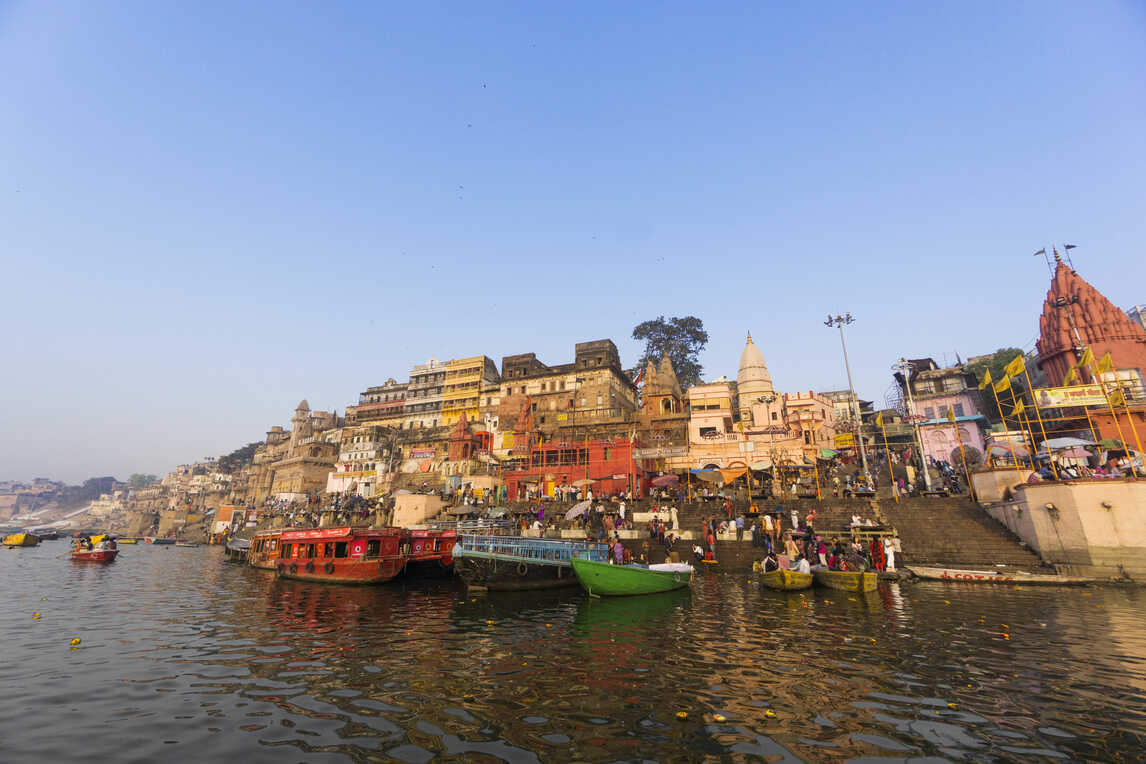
(461, 391)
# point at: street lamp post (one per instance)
(840, 322)
(904, 368)
(768, 399)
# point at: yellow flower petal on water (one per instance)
(75, 640)
(718, 717)
(682, 714)
(769, 712)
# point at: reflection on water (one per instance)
(188, 658)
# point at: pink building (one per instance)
(936, 390)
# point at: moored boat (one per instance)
(786, 580)
(605, 579)
(515, 563)
(264, 550)
(20, 539)
(237, 550)
(186, 543)
(128, 540)
(845, 580)
(959, 575)
(157, 540)
(342, 555)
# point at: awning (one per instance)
(664, 480)
(827, 453)
(760, 466)
(583, 482)
(496, 512)
(1057, 443)
(730, 475)
(710, 476)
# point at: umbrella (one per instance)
(710, 476)
(1075, 453)
(577, 509)
(583, 482)
(496, 512)
(760, 466)
(664, 480)
(827, 453)
(1111, 443)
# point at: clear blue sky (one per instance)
(210, 210)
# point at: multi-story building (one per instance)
(936, 393)
(812, 416)
(381, 405)
(464, 380)
(424, 395)
(591, 397)
(364, 460)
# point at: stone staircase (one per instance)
(954, 531)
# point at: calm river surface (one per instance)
(186, 658)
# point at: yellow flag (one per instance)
(986, 380)
(1087, 358)
(1015, 367)
(1004, 384)
(950, 414)
(1019, 408)
(1071, 376)
(879, 419)
(1117, 398)
(1105, 364)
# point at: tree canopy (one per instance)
(680, 338)
(238, 458)
(139, 480)
(993, 363)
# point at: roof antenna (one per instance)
(1066, 250)
(1043, 252)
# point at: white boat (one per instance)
(962, 576)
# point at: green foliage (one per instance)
(238, 458)
(995, 364)
(681, 339)
(138, 480)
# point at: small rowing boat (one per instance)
(845, 580)
(20, 539)
(186, 543)
(958, 575)
(128, 540)
(604, 579)
(104, 550)
(786, 580)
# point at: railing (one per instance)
(542, 550)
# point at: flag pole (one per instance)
(887, 451)
(999, 406)
(962, 453)
(1039, 415)
(1126, 408)
(1117, 425)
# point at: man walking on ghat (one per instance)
(740, 528)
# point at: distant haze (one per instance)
(210, 211)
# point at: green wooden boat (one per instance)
(786, 580)
(604, 580)
(846, 580)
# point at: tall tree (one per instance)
(139, 480)
(681, 339)
(995, 364)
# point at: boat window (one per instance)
(372, 547)
(286, 550)
(340, 549)
(310, 551)
(328, 549)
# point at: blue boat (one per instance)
(515, 563)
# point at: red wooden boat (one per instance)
(265, 549)
(104, 551)
(431, 545)
(341, 555)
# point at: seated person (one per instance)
(802, 566)
(856, 520)
(757, 566)
(698, 553)
(771, 563)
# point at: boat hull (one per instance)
(152, 540)
(20, 539)
(846, 580)
(786, 580)
(127, 541)
(95, 555)
(605, 580)
(342, 571)
(957, 575)
(507, 575)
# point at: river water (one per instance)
(184, 657)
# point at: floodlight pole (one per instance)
(904, 368)
(840, 322)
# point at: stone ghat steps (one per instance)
(954, 531)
